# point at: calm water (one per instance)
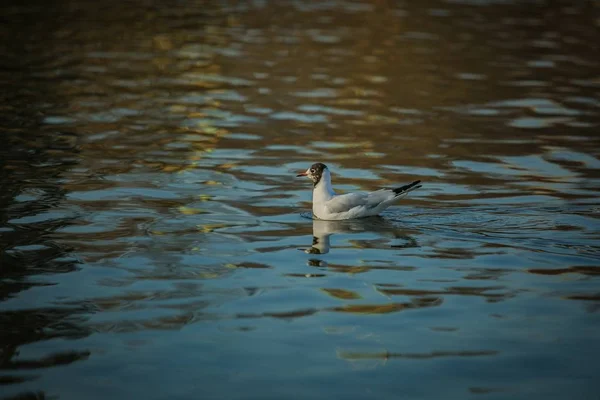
(154, 241)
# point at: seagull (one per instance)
(330, 206)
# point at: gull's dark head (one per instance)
(315, 172)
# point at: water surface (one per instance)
(153, 237)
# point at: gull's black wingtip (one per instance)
(407, 188)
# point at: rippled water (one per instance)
(153, 236)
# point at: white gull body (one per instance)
(327, 205)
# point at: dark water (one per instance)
(151, 230)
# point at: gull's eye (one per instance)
(312, 170)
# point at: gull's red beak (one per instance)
(301, 174)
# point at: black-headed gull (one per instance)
(329, 206)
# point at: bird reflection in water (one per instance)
(322, 231)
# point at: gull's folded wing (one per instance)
(347, 202)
